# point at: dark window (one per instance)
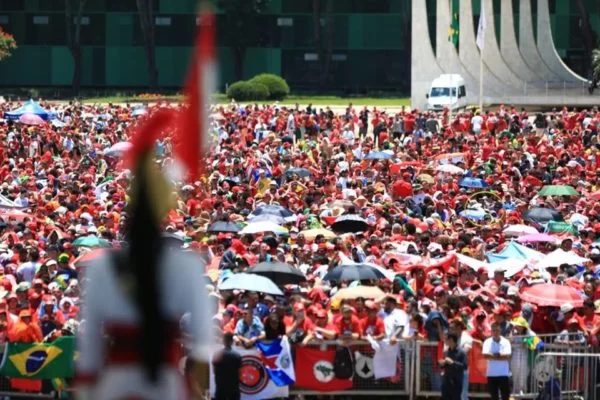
(12, 5)
(45, 29)
(295, 6)
(121, 5)
(99, 66)
(180, 32)
(93, 34)
(462, 92)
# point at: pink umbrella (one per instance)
(537, 238)
(31, 119)
(551, 295)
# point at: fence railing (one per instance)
(572, 371)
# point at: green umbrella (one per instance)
(91, 242)
(558, 190)
(562, 227)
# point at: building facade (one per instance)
(369, 42)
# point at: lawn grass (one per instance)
(301, 99)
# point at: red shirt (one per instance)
(304, 327)
(346, 328)
(373, 328)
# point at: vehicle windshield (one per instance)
(442, 91)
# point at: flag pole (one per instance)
(481, 80)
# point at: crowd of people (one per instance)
(432, 193)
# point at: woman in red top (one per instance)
(372, 325)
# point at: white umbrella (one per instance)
(263, 226)
(250, 282)
(118, 148)
(519, 230)
(509, 266)
(450, 169)
(559, 257)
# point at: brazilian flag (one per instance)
(40, 360)
(453, 29)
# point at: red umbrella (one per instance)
(14, 215)
(31, 119)
(89, 256)
(550, 294)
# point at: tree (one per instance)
(146, 14)
(7, 44)
(588, 35)
(241, 28)
(73, 26)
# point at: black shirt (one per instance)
(227, 364)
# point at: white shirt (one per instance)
(348, 137)
(497, 367)
(476, 123)
(393, 321)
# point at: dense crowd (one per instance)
(426, 198)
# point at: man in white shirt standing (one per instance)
(395, 320)
(476, 123)
(497, 351)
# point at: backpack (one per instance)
(343, 364)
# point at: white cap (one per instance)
(565, 308)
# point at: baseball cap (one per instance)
(565, 308)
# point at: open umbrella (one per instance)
(366, 292)
(339, 203)
(272, 209)
(450, 169)
(353, 272)
(426, 178)
(223, 226)
(280, 273)
(537, 238)
(301, 172)
(551, 295)
(31, 119)
(379, 155)
(14, 215)
(264, 226)
(475, 183)
(274, 219)
(542, 215)
(251, 283)
(118, 149)
(476, 214)
(558, 190)
(91, 242)
(311, 234)
(89, 256)
(349, 223)
(519, 230)
(559, 257)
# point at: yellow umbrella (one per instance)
(311, 234)
(367, 292)
(426, 178)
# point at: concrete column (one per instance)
(424, 64)
(469, 55)
(546, 46)
(528, 46)
(446, 53)
(509, 47)
(491, 54)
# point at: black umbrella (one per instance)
(233, 181)
(280, 273)
(272, 209)
(223, 226)
(349, 223)
(542, 215)
(353, 272)
(172, 239)
(301, 172)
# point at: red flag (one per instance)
(194, 138)
(26, 385)
(314, 370)
(477, 364)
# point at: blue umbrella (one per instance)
(301, 172)
(469, 182)
(474, 213)
(251, 283)
(379, 155)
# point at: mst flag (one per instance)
(453, 30)
(40, 360)
(314, 370)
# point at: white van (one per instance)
(449, 91)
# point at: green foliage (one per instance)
(245, 91)
(7, 44)
(278, 87)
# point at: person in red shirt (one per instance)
(348, 327)
(590, 321)
(322, 329)
(372, 325)
(300, 324)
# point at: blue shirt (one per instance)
(249, 331)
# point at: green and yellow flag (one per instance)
(40, 360)
(453, 29)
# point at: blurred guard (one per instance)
(137, 295)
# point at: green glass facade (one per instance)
(370, 43)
